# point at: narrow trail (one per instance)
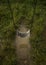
(23, 47)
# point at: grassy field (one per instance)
(11, 12)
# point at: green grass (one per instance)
(7, 30)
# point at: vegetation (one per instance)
(11, 12)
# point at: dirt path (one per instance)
(23, 49)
